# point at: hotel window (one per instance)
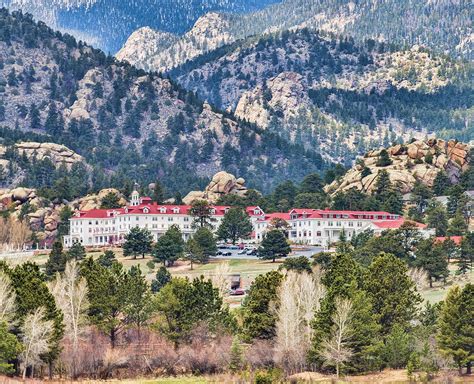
(338, 223)
(351, 224)
(318, 233)
(319, 223)
(359, 224)
(170, 219)
(186, 218)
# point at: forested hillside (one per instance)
(129, 125)
(331, 93)
(107, 23)
(444, 26)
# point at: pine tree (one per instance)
(455, 336)
(57, 260)
(235, 225)
(158, 193)
(457, 225)
(432, 258)
(162, 278)
(76, 252)
(137, 242)
(258, 318)
(392, 293)
(169, 247)
(274, 245)
(107, 259)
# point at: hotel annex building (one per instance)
(106, 227)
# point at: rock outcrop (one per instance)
(43, 216)
(159, 51)
(222, 183)
(286, 93)
(417, 161)
(57, 153)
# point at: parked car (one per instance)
(237, 292)
(226, 253)
(242, 252)
(252, 252)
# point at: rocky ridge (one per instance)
(154, 50)
(222, 183)
(417, 161)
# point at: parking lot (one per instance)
(235, 253)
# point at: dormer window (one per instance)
(162, 210)
(146, 210)
(175, 210)
(213, 211)
(256, 211)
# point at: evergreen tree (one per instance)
(63, 226)
(108, 295)
(204, 244)
(235, 225)
(10, 348)
(107, 259)
(392, 293)
(384, 159)
(274, 245)
(311, 184)
(258, 318)
(137, 242)
(342, 281)
(298, 264)
(432, 258)
(159, 193)
(457, 225)
(31, 293)
(110, 201)
(437, 218)
(201, 212)
(466, 253)
(162, 278)
(76, 252)
(441, 184)
(183, 305)
(455, 335)
(56, 260)
(169, 247)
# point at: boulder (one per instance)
(222, 183)
(21, 194)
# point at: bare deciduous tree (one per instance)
(13, 234)
(70, 293)
(7, 299)
(335, 350)
(220, 278)
(35, 334)
(420, 277)
(299, 298)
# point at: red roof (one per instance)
(457, 239)
(276, 215)
(154, 208)
(395, 224)
(326, 213)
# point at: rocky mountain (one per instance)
(154, 50)
(407, 163)
(108, 23)
(444, 26)
(333, 94)
(127, 124)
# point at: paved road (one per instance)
(235, 253)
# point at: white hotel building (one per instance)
(105, 227)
